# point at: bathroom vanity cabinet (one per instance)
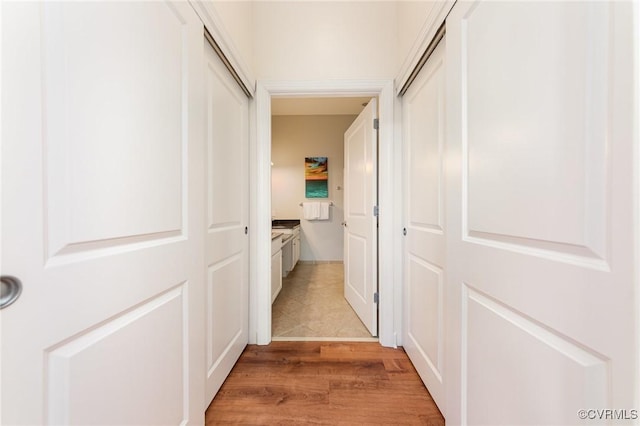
(290, 243)
(276, 264)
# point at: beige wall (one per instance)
(317, 40)
(411, 17)
(237, 19)
(293, 139)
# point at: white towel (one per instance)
(311, 210)
(324, 211)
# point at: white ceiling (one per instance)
(317, 106)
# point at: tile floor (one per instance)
(312, 305)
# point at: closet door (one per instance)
(425, 225)
(541, 220)
(227, 242)
(102, 213)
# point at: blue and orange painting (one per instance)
(316, 177)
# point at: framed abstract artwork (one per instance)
(316, 177)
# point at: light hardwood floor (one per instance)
(325, 383)
(312, 305)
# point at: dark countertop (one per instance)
(284, 223)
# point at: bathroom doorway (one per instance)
(311, 303)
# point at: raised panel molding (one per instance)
(568, 371)
(426, 309)
(227, 114)
(513, 172)
(357, 244)
(96, 155)
(75, 371)
(224, 309)
(357, 192)
(425, 156)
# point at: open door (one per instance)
(360, 218)
(103, 213)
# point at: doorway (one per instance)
(389, 201)
(308, 131)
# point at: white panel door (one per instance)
(424, 246)
(227, 244)
(541, 259)
(103, 213)
(360, 225)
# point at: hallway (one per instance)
(312, 305)
(487, 216)
(323, 383)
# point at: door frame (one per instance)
(389, 200)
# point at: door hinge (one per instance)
(376, 123)
(375, 210)
(375, 297)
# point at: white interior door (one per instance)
(541, 256)
(103, 213)
(425, 219)
(227, 245)
(360, 224)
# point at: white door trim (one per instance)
(389, 197)
(636, 191)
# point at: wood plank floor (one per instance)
(323, 383)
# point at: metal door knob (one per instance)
(11, 289)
